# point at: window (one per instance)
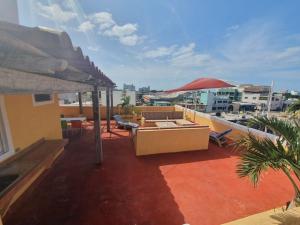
(42, 99)
(6, 148)
(3, 148)
(254, 98)
(263, 98)
(246, 97)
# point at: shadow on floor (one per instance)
(124, 190)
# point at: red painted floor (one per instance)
(199, 188)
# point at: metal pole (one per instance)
(195, 105)
(107, 109)
(269, 102)
(111, 102)
(97, 130)
(270, 99)
(185, 106)
(80, 103)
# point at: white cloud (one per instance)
(233, 27)
(54, 12)
(86, 26)
(180, 56)
(160, 52)
(186, 56)
(121, 31)
(126, 34)
(94, 48)
(131, 40)
(230, 30)
(104, 19)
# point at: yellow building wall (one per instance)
(29, 123)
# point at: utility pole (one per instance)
(269, 102)
(270, 99)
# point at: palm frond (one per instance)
(285, 130)
(259, 155)
(294, 107)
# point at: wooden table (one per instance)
(184, 122)
(165, 124)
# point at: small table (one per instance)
(165, 124)
(183, 122)
(68, 119)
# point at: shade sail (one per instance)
(202, 83)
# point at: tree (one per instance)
(125, 101)
(126, 104)
(258, 155)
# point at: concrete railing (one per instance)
(219, 124)
(73, 110)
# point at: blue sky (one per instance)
(167, 43)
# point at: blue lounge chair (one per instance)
(120, 123)
(219, 138)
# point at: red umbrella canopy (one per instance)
(202, 83)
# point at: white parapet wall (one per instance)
(219, 124)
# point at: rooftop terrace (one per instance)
(199, 187)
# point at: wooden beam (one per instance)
(18, 82)
(97, 125)
(80, 103)
(108, 109)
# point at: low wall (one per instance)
(73, 110)
(219, 124)
(155, 141)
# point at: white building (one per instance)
(117, 97)
(68, 98)
(259, 95)
(214, 103)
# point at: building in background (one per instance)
(234, 94)
(117, 97)
(68, 98)
(144, 89)
(241, 107)
(259, 95)
(128, 87)
(295, 93)
(213, 102)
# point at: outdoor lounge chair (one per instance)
(219, 138)
(120, 123)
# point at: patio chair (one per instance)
(219, 138)
(120, 123)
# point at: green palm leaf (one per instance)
(294, 107)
